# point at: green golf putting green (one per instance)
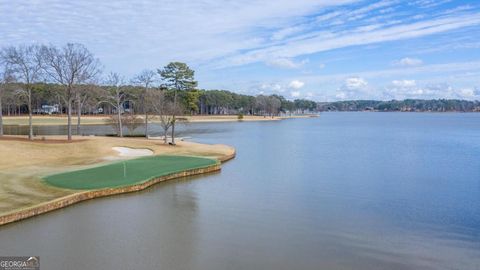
(127, 172)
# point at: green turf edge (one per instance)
(46, 181)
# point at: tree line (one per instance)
(407, 105)
(37, 79)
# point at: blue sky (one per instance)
(322, 50)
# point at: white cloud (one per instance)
(285, 32)
(460, 75)
(430, 3)
(401, 89)
(325, 40)
(278, 87)
(408, 62)
(405, 90)
(429, 91)
(327, 16)
(354, 88)
(293, 87)
(286, 63)
(472, 69)
(273, 87)
(341, 95)
(296, 84)
(355, 83)
(458, 9)
(404, 83)
(362, 12)
(467, 93)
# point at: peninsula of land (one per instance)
(50, 173)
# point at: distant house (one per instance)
(50, 109)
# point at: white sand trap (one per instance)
(132, 152)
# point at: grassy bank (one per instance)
(127, 172)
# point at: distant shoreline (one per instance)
(433, 112)
(61, 120)
(406, 105)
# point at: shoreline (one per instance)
(24, 194)
(61, 120)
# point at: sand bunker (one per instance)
(132, 152)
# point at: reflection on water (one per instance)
(343, 191)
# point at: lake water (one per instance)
(342, 191)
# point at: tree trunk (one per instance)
(30, 122)
(165, 132)
(145, 111)
(79, 115)
(1, 116)
(119, 115)
(146, 125)
(173, 130)
(174, 116)
(69, 120)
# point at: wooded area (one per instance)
(407, 105)
(40, 79)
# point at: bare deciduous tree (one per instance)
(68, 66)
(146, 78)
(25, 63)
(261, 103)
(84, 94)
(268, 105)
(132, 122)
(164, 108)
(273, 105)
(5, 78)
(116, 97)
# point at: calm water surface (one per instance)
(343, 191)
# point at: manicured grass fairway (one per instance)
(126, 172)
